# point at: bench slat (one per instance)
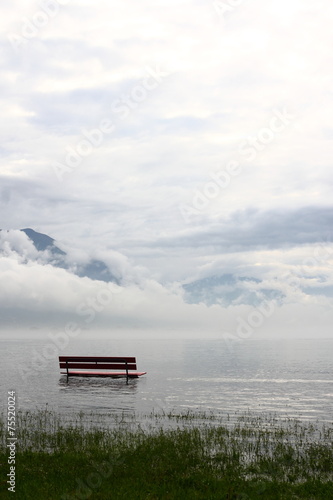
(103, 374)
(98, 366)
(99, 358)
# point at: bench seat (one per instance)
(94, 366)
(103, 374)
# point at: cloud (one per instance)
(249, 229)
(35, 294)
(226, 78)
(47, 298)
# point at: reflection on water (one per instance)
(99, 384)
(104, 393)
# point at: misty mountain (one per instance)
(42, 241)
(227, 289)
(223, 289)
(94, 269)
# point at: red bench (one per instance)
(92, 366)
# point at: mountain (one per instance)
(223, 289)
(227, 289)
(42, 241)
(92, 268)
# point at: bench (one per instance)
(92, 366)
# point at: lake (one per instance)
(292, 378)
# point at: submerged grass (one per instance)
(198, 456)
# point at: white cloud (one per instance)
(17, 244)
(226, 76)
(51, 298)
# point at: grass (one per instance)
(169, 456)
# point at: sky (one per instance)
(181, 140)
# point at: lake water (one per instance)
(292, 378)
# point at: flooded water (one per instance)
(292, 378)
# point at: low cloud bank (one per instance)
(35, 295)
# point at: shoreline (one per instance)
(198, 457)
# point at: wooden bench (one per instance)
(92, 366)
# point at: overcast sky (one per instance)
(191, 138)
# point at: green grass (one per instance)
(184, 456)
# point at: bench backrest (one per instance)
(96, 362)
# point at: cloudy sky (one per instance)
(189, 139)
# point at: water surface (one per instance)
(289, 377)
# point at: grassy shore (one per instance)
(188, 456)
